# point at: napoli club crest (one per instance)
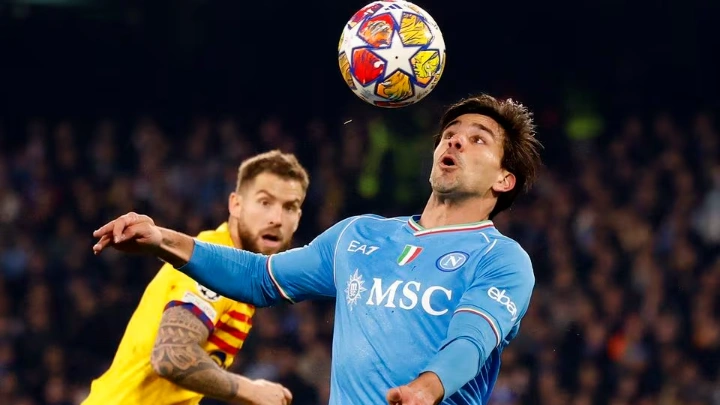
(452, 261)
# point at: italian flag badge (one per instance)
(408, 254)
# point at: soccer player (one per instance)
(425, 304)
(183, 335)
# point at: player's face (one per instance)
(467, 161)
(267, 213)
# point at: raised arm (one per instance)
(294, 275)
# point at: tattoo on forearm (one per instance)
(175, 248)
(169, 238)
(177, 356)
(169, 242)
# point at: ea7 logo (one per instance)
(499, 296)
(356, 246)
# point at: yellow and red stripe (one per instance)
(230, 332)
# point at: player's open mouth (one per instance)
(270, 238)
(448, 161)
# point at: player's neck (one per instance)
(444, 212)
(234, 235)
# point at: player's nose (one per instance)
(275, 216)
(456, 141)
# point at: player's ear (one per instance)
(505, 182)
(235, 204)
(297, 223)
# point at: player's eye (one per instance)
(265, 203)
(477, 139)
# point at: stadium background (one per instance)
(110, 106)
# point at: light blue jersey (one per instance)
(408, 300)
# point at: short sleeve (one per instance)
(205, 304)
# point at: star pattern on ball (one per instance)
(392, 56)
(391, 53)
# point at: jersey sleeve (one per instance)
(489, 309)
(207, 305)
(294, 275)
(308, 272)
(500, 293)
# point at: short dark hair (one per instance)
(283, 165)
(521, 155)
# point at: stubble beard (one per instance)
(249, 242)
(448, 190)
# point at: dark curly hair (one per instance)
(521, 155)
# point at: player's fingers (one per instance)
(133, 231)
(288, 395)
(126, 221)
(394, 396)
(101, 244)
(118, 229)
(105, 229)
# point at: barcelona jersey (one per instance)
(131, 378)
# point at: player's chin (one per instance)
(446, 175)
(445, 184)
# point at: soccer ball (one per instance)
(391, 53)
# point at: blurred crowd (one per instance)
(623, 228)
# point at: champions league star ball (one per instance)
(391, 53)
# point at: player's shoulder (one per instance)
(172, 287)
(220, 235)
(206, 235)
(367, 219)
(372, 221)
(503, 250)
(502, 241)
(174, 280)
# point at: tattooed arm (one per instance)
(178, 357)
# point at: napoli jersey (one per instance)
(402, 294)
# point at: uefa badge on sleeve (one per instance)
(207, 293)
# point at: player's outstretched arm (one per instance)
(294, 275)
(178, 357)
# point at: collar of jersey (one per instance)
(419, 230)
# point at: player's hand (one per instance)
(407, 395)
(131, 232)
(262, 392)
(424, 390)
